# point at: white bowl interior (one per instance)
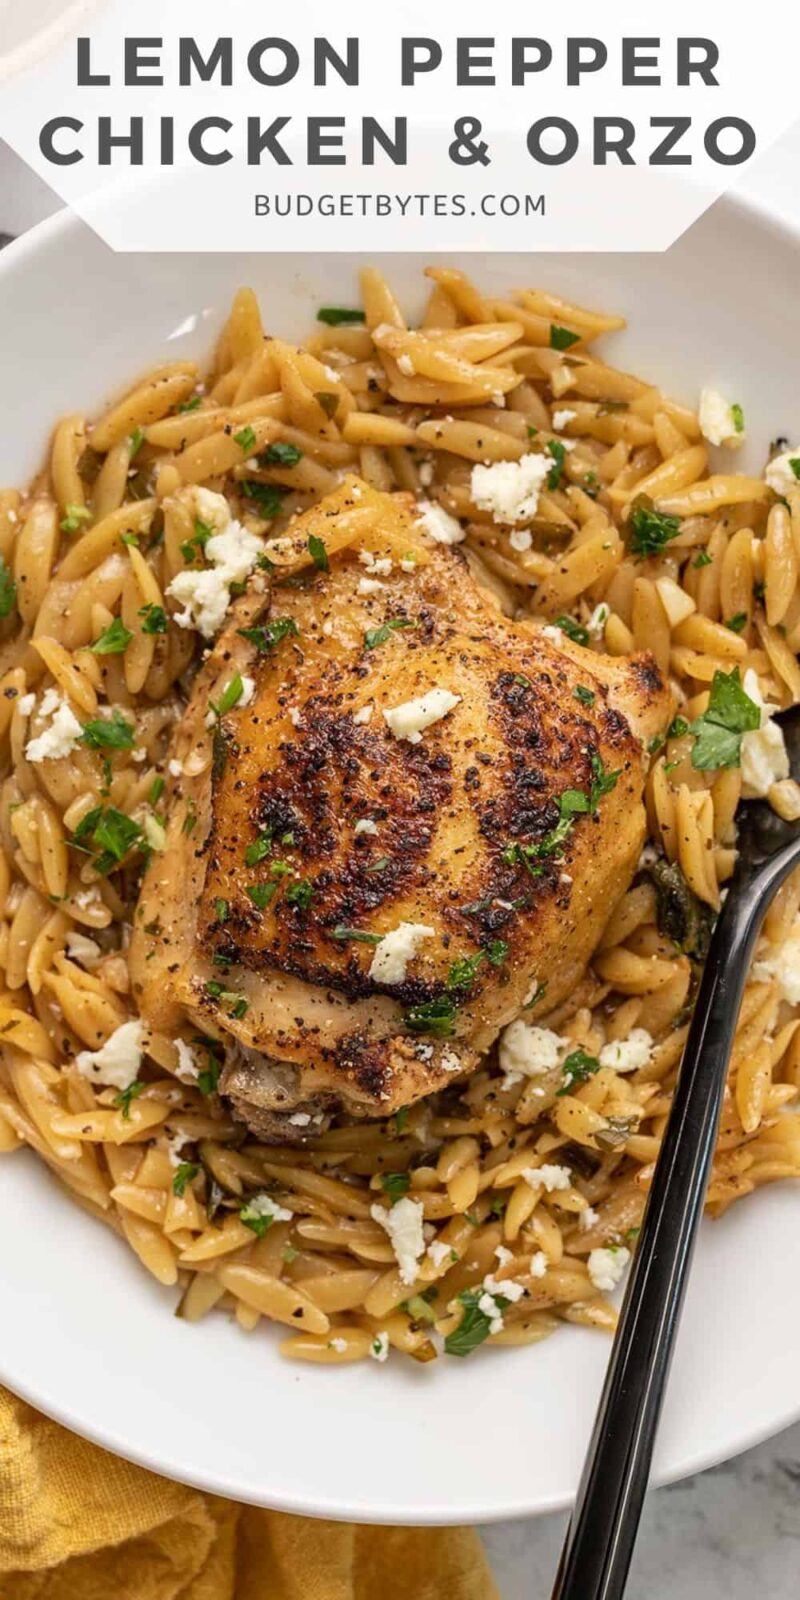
(87, 1336)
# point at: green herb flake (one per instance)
(497, 951)
(8, 590)
(738, 417)
(738, 622)
(280, 454)
(573, 630)
(154, 619)
(270, 634)
(794, 463)
(677, 728)
(464, 971)
(188, 405)
(562, 338)
(400, 1119)
(702, 559)
(245, 438)
(718, 732)
(339, 316)
(260, 848)
(375, 636)
(113, 640)
(395, 1184)
(434, 1017)
(318, 552)
(603, 781)
(122, 1101)
(578, 1068)
(230, 697)
(75, 515)
(557, 450)
(328, 403)
(299, 894)
(185, 1172)
(110, 832)
(586, 696)
(135, 443)
(156, 790)
(651, 529)
(347, 935)
(108, 733)
(261, 894)
(131, 539)
(208, 1077)
(267, 497)
(474, 1326)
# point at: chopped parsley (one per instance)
(154, 619)
(270, 633)
(237, 1002)
(190, 818)
(562, 338)
(573, 630)
(435, 1017)
(221, 909)
(602, 782)
(318, 552)
(738, 417)
(245, 438)
(339, 316)
(395, 1184)
(108, 733)
(738, 622)
(257, 1221)
(375, 636)
(186, 1171)
(718, 732)
(463, 972)
(74, 517)
(578, 1068)
(355, 935)
(135, 443)
(261, 894)
(193, 547)
(280, 455)
(113, 640)
(474, 1326)
(327, 403)
(558, 451)
(267, 496)
(702, 559)
(794, 463)
(400, 1119)
(188, 405)
(497, 951)
(299, 894)
(260, 848)
(208, 1077)
(230, 697)
(123, 1100)
(651, 529)
(110, 832)
(586, 696)
(8, 590)
(677, 728)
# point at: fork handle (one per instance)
(599, 1543)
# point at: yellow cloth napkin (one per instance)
(79, 1524)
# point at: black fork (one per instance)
(599, 1544)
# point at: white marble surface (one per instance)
(734, 1532)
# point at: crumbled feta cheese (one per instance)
(510, 489)
(718, 420)
(426, 472)
(439, 524)
(370, 586)
(379, 1348)
(295, 716)
(439, 1252)
(139, 755)
(187, 1070)
(248, 690)
(676, 602)
(409, 720)
(764, 756)
(331, 374)
(488, 1305)
(365, 825)
(396, 949)
(503, 1255)
(378, 566)
(340, 1345)
(529, 1050)
(232, 552)
(607, 1267)
(175, 769)
(117, 1062)
(300, 1119)
(550, 631)
(26, 703)
(364, 716)
(263, 1205)
(520, 539)
(781, 961)
(61, 737)
(587, 1219)
(539, 1264)
(780, 474)
(450, 1062)
(628, 1055)
(155, 833)
(512, 1290)
(406, 366)
(548, 1177)
(175, 1145)
(403, 1223)
(561, 418)
(80, 948)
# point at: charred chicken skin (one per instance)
(412, 829)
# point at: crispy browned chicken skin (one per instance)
(508, 830)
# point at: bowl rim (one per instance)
(46, 235)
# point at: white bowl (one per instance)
(87, 1336)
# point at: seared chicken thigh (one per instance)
(413, 822)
